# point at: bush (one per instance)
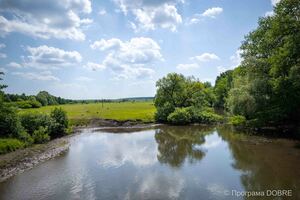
(60, 123)
(32, 121)
(9, 144)
(41, 135)
(204, 116)
(180, 116)
(28, 104)
(10, 125)
(237, 120)
(163, 112)
(25, 137)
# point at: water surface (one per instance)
(189, 162)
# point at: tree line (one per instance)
(263, 91)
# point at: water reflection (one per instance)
(176, 144)
(190, 162)
(266, 164)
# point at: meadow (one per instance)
(121, 111)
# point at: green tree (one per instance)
(269, 90)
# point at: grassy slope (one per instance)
(118, 111)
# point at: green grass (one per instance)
(118, 111)
(10, 144)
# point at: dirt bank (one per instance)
(23, 159)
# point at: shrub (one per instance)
(9, 144)
(204, 115)
(10, 125)
(237, 120)
(32, 121)
(179, 116)
(25, 137)
(41, 135)
(60, 123)
(163, 112)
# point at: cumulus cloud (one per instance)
(110, 44)
(152, 14)
(42, 76)
(2, 45)
(45, 19)
(274, 2)
(45, 57)
(102, 11)
(94, 66)
(269, 14)
(205, 57)
(14, 65)
(235, 59)
(212, 12)
(128, 59)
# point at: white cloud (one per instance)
(42, 76)
(128, 59)
(94, 66)
(152, 14)
(84, 79)
(110, 44)
(205, 57)
(222, 69)
(236, 59)
(44, 57)
(269, 13)
(102, 11)
(45, 19)
(14, 65)
(274, 2)
(2, 45)
(212, 12)
(187, 66)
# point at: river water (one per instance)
(190, 162)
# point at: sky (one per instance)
(84, 49)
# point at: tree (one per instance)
(269, 89)
(176, 91)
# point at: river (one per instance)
(190, 162)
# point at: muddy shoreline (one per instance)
(16, 162)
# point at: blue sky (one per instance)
(84, 49)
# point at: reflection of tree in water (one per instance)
(266, 164)
(175, 144)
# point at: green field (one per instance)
(118, 111)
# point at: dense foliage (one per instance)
(182, 100)
(266, 87)
(18, 131)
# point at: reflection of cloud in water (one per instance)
(212, 141)
(158, 185)
(134, 148)
(217, 190)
